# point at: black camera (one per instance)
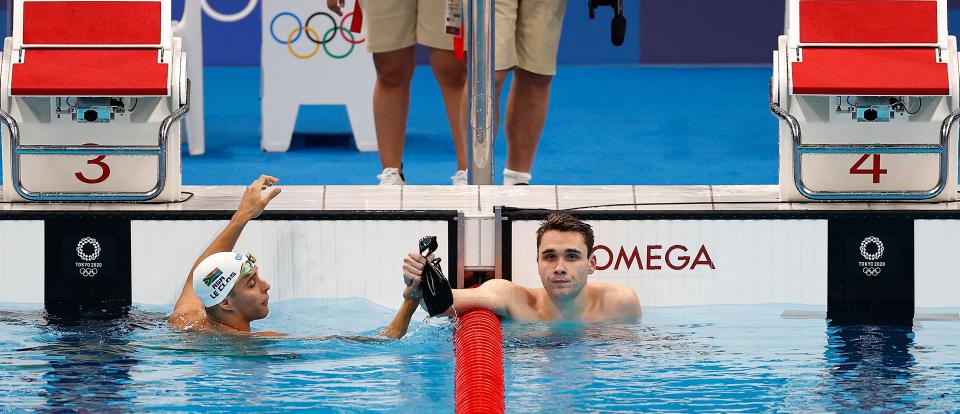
(618, 26)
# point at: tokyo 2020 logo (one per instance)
(872, 266)
(88, 268)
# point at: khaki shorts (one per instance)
(527, 34)
(396, 24)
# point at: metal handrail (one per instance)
(159, 150)
(799, 148)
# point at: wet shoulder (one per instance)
(616, 300)
(192, 319)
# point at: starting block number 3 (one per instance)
(104, 171)
(875, 171)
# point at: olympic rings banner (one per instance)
(305, 29)
(310, 56)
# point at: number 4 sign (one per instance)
(876, 171)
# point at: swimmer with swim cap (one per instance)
(224, 291)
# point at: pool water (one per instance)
(694, 359)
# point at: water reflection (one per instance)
(425, 365)
(90, 363)
(575, 365)
(871, 367)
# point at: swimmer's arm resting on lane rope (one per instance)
(496, 295)
(189, 309)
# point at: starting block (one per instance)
(93, 112)
(867, 93)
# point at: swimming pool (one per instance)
(698, 358)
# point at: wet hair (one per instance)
(566, 223)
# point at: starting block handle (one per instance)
(160, 151)
(798, 149)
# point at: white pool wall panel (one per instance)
(756, 261)
(22, 264)
(300, 259)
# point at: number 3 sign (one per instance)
(104, 170)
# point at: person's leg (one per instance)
(451, 75)
(391, 35)
(526, 115)
(510, 177)
(391, 103)
(505, 53)
(537, 41)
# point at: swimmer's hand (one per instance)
(413, 266)
(336, 5)
(255, 200)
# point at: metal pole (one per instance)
(480, 128)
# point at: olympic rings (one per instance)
(273, 33)
(303, 27)
(325, 38)
(344, 20)
(344, 54)
(316, 46)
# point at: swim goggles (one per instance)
(246, 269)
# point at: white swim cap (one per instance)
(215, 276)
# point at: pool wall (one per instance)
(710, 245)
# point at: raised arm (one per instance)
(251, 205)
(398, 327)
(412, 270)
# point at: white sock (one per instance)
(511, 177)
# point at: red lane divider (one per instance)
(478, 378)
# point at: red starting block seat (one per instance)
(117, 53)
(868, 21)
(870, 71)
(91, 72)
(869, 47)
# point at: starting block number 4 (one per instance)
(875, 172)
(870, 172)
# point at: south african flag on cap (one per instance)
(208, 280)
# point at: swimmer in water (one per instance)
(224, 291)
(564, 246)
